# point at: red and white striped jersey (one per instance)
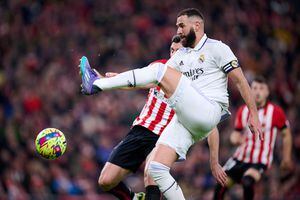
(253, 150)
(156, 113)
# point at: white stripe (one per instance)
(249, 147)
(164, 119)
(145, 109)
(267, 134)
(245, 117)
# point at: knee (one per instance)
(105, 182)
(147, 179)
(157, 170)
(248, 181)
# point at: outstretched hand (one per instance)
(219, 174)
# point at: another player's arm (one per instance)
(286, 162)
(217, 171)
(241, 83)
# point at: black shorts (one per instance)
(235, 169)
(133, 150)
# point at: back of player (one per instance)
(254, 156)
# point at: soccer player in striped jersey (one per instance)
(254, 156)
(133, 150)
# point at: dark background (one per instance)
(40, 46)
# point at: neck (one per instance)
(262, 104)
(198, 38)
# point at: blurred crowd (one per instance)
(41, 42)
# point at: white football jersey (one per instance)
(207, 66)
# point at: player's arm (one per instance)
(286, 163)
(241, 83)
(236, 138)
(217, 171)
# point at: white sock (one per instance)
(166, 183)
(133, 78)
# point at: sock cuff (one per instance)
(153, 165)
(248, 180)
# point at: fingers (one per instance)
(222, 178)
(261, 137)
(257, 131)
(110, 74)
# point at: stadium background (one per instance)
(40, 46)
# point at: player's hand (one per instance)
(255, 126)
(110, 74)
(286, 165)
(219, 174)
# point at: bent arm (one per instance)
(287, 148)
(213, 142)
(241, 83)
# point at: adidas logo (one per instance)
(181, 63)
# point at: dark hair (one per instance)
(259, 79)
(191, 12)
(176, 39)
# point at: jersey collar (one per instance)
(200, 43)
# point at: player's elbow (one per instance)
(236, 139)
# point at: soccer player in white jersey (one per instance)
(253, 156)
(195, 82)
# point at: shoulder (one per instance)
(277, 109)
(217, 45)
(241, 109)
(161, 61)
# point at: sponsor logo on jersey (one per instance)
(194, 73)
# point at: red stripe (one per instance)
(158, 117)
(153, 102)
(172, 113)
(262, 142)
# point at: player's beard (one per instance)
(189, 39)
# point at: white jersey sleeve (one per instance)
(225, 59)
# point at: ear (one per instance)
(197, 26)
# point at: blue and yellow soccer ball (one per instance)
(51, 143)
